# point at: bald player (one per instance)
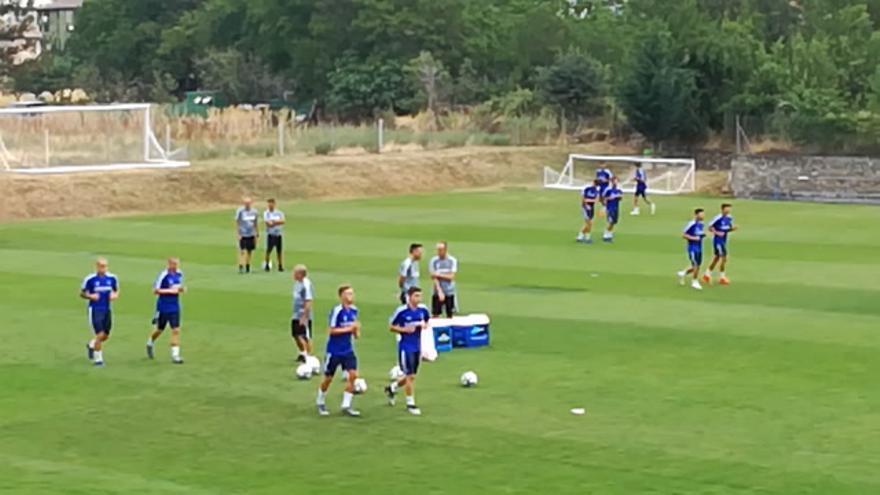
(100, 288)
(247, 230)
(168, 288)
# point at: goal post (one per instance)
(82, 138)
(665, 175)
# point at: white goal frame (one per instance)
(154, 155)
(664, 183)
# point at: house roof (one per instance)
(57, 4)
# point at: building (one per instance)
(56, 21)
(50, 25)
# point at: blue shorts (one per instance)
(641, 189)
(695, 256)
(602, 187)
(332, 361)
(720, 246)
(101, 320)
(589, 212)
(612, 215)
(167, 319)
(409, 361)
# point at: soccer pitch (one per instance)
(766, 386)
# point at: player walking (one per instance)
(248, 231)
(641, 178)
(588, 206)
(301, 322)
(443, 269)
(408, 321)
(613, 196)
(274, 220)
(694, 233)
(340, 352)
(168, 288)
(408, 274)
(721, 226)
(100, 288)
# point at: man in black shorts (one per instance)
(443, 268)
(301, 322)
(274, 220)
(247, 230)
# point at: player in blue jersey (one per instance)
(343, 326)
(603, 178)
(613, 196)
(408, 322)
(168, 288)
(589, 197)
(694, 234)
(100, 288)
(721, 226)
(641, 179)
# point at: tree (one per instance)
(241, 77)
(573, 85)
(17, 22)
(359, 90)
(658, 95)
(431, 79)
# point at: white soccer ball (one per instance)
(395, 374)
(303, 371)
(469, 379)
(314, 364)
(360, 385)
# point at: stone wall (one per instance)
(807, 178)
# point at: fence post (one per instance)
(46, 144)
(381, 135)
(738, 137)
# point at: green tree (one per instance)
(360, 90)
(573, 85)
(241, 77)
(658, 96)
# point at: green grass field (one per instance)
(766, 386)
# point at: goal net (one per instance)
(84, 138)
(665, 175)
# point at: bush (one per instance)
(324, 148)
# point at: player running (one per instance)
(694, 233)
(613, 196)
(274, 220)
(408, 273)
(100, 288)
(301, 322)
(603, 178)
(247, 230)
(443, 269)
(588, 206)
(340, 353)
(408, 321)
(641, 178)
(168, 288)
(721, 226)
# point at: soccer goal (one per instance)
(82, 138)
(665, 175)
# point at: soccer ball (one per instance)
(395, 374)
(314, 364)
(469, 379)
(303, 371)
(360, 385)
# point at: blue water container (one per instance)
(442, 328)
